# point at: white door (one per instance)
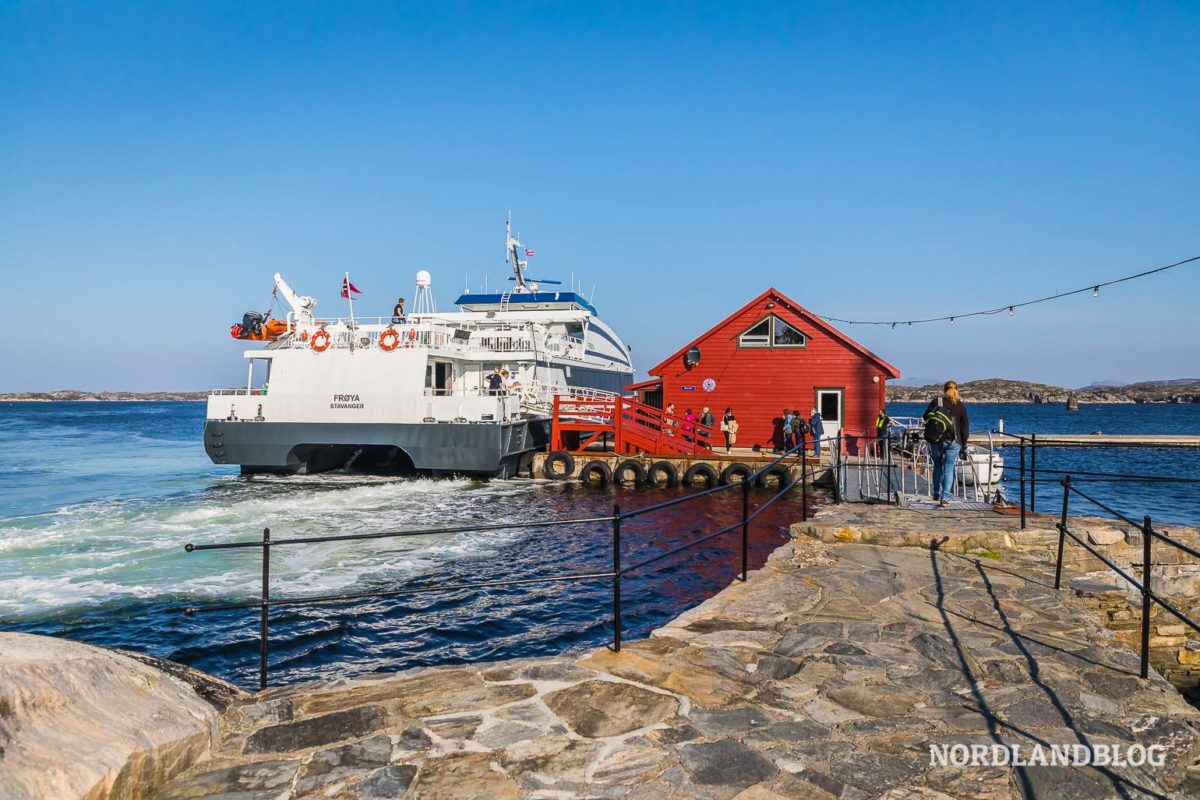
(829, 403)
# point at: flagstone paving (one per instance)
(830, 673)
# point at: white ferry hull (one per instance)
(440, 448)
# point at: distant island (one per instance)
(998, 390)
(988, 390)
(79, 395)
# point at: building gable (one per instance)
(774, 304)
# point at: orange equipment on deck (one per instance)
(268, 331)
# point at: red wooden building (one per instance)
(769, 355)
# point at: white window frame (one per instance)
(757, 341)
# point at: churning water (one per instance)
(98, 500)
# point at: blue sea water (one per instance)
(98, 499)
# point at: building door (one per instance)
(829, 403)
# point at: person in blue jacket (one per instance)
(816, 427)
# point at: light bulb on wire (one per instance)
(1096, 292)
(1010, 311)
(952, 320)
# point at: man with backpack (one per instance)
(946, 431)
(786, 428)
(799, 429)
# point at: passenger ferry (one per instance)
(414, 394)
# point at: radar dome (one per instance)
(424, 278)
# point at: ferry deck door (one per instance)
(439, 378)
(829, 403)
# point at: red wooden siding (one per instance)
(760, 382)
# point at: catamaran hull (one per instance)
(479, 449)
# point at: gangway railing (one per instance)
(897, 469)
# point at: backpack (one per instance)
(799, 426)
(939, 427)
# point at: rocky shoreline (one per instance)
(77, 396)
(996, 390)
(833, 672)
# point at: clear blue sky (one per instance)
(159, 161)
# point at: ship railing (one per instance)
(797, 472)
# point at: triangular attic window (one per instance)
(772, 332)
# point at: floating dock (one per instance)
(1089, 440)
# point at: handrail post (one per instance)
(1033, 473)
(1022, 483)
(616, 578)
(1062, 531)
(1147, 596)
(264, 630)
(745, 523)
(887, 446)
(803, 481)
(835, 465)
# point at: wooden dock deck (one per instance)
(1091, 440)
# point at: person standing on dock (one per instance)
(816, 427)
(882, 423)
(669, 420)
(799, 430)
(946, 431)
(789, 441)
(706, 420)
(729, 427)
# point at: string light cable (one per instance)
(1094, 288)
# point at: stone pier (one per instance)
(831, 673)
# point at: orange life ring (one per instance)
(389, 340)
(320, 341)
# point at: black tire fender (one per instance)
(780, 474)
(665, 469)
(559, 465)
(630, 465)
(597, 472)
(703, 472)
(735, 470)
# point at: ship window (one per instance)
(772, 332)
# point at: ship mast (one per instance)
(513, 255)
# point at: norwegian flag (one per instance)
(348, 287)
(528, 253)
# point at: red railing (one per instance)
(634, 427)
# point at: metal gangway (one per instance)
(899, 470)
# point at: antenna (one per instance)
(593, 296)
(423, 302)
